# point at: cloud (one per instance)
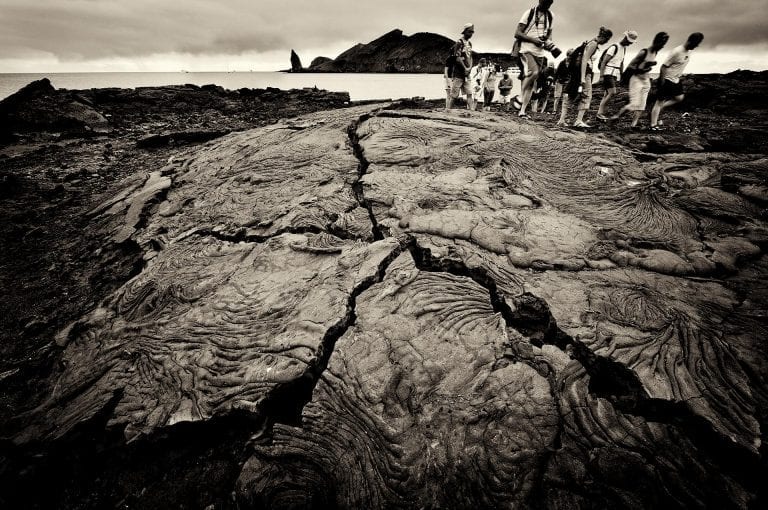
(90, 30)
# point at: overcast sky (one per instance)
(224, 35)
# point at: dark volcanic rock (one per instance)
(192, 113)
(30, 91)
(39, 107)
(317, 61)
(394, 52)
(295, 63)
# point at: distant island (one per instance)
(393, 52)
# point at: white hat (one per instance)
(467, 26)
(631, 35)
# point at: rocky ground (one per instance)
(351, 308)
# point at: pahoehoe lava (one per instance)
(392, 308)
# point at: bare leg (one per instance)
(659, 107)
(624, 109)
(563, 112)
(636, 118)
(529, 82)
(554, 104)
(608, 95)
(580, 115)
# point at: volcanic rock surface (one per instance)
(431, 310)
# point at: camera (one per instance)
(554, 50)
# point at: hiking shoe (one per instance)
(581, 124)
(560, 123)
(603, 117)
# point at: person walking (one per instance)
(611, 66)
(561, 78)
(640, 81)
(579, 85)
(462, 51)
(670, 90)
(534, 34)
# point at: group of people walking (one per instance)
(573, 78)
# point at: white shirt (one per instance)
(613, 65)
(537, 30)
(676, 63)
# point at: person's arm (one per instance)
(635, 64)
(520, 34)
(588, 52)
(458, 53)
(663, 73)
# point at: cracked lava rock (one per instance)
(417, 309)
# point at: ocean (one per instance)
(360, 86)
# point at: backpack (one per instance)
(458, 69)
(631, 70)
(528, 23)
(574, 70)
(574, 61)
(604, 56)
(450, 63)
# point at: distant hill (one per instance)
(394, 52)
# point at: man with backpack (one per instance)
(532, 40)
(670, 91)
(611, 66)
(462, 63)
(579, 87)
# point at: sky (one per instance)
(242, 35)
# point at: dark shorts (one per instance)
(609, 83)
(669, 90)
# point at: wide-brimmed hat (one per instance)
(631, 35)
(468, 26)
